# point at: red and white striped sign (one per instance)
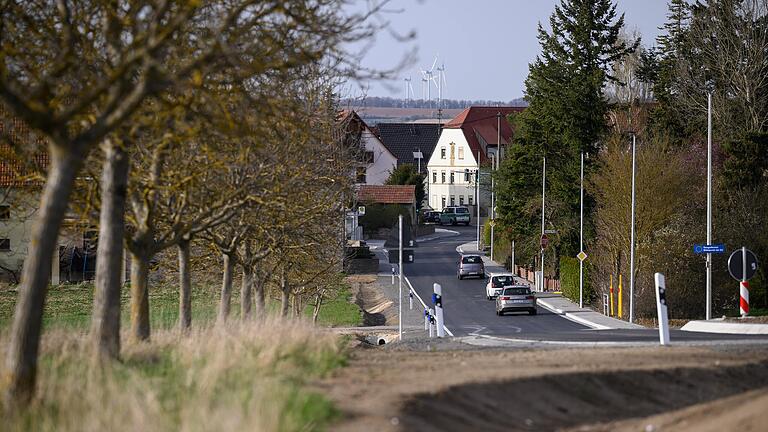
(744, 298)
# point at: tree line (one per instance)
(590, 90)
(180, 125)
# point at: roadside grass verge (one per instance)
(241, 376)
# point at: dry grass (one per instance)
(234, 377)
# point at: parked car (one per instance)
(496, 282)
(432, 216)
(471, 265)
(515, 299)
(455, 215)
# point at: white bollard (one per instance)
(661, 306)
(437, 299)
(431, 322)
(426, 319)
(393, 275)
(410, 298)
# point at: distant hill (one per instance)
(386, 109)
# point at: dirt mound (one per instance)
(577, 400)
(377, 309)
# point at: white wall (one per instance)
(383, 161)
(452, 155)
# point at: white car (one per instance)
(497, 282)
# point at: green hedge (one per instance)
(382, 216)
(569, 279)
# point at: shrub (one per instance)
(569, 279)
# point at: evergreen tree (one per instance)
(406, 174)
(566, 115)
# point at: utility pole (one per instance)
(400, 288)
(494, 163)
(543, 196)
(632, 237)
(709, 204)
(477, 190)
(493, 199)
(581, 235)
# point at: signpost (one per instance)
(742, 265)
(544, 241)
(581, 256)
(708, 248)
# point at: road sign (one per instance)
(492, 223)
(550, 231)
(544, 241)
(581, 256)
(705, 248)
(736, 265)
(361, 210)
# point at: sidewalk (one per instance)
(555, 303)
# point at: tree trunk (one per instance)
(185, 286)
(297, 305)
(260, 303)
(226, 289)
(139, 297)
(246, 293)
(105, 323)
(318, 305)
(285, 290)
(21, 361)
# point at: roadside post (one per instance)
(605, 304)
(393, 275)
(621, 300)
(431, 322)
(611, 299)
(426, 319)
(742, 265)
(661, 308)
(437, 299)
(410, 298)
(709, 249)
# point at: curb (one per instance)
(571, 316)
(719, 326)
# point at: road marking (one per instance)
(570, 316)
(424, 304)
(496, 341)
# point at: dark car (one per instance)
(471, 265)
(432, 216)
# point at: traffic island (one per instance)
(728, 326)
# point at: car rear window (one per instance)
(471, 260)
(503, 280)
(462, 210)
(517, 291)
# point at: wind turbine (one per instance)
(441, 81)
(408, 87)
(429, 77)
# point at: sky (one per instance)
(485, 45)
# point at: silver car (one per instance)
(471, 265)
(516, 298)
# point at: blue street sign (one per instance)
(713, 248)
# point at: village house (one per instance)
(477, 132)
(374, 161)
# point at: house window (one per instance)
(451, 177)
(461, 200)
(466, 176)
(360, 175)
(461, 152)
(443, 202)
(442, 152)
(5, 212)
(5, 244)
(470, 199)
(453, 200)
(368, 157)
(442, 174)
(434, 176)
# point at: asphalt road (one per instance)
(469, 313)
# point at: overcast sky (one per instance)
(486, 45)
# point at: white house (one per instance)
(376, 161)
(474, 133)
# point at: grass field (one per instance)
(241, 376)
(70, 306)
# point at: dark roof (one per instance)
(403, 138)
(481, 122)
(387, 194)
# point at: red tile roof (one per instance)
(27, 166)
(480, 123)
(387, 194)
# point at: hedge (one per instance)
(569, 279)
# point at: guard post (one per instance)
(661, 308)
(437, 299)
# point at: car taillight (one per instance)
(506, 298)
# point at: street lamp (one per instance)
(632, 236)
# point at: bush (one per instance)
(382, 216)
(569, 279)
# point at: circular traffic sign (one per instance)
(736, 264)
(544, 241)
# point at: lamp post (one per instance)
(543, 197)
(581, 235)
(493, 200)
(632, 237)
(477, 191)
(709, 203)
